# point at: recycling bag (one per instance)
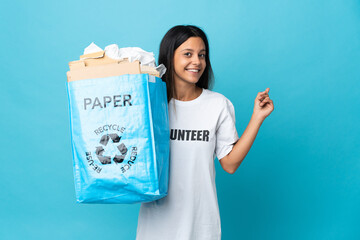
(120, 138)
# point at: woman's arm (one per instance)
(232, 161)
(262, 108)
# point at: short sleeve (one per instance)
(226, 134)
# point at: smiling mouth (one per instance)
(193, 70)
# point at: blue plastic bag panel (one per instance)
(117, 151)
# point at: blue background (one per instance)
(300, 179)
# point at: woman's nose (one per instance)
(196, 60)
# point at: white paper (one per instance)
(92, 48)
(131, 53)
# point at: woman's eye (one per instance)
(188, 54)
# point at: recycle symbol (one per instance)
(122, 150)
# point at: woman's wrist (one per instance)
(258, 119)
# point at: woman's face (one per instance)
(189, 60)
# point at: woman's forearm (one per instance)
(233, 160)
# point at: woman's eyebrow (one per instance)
(188, 49)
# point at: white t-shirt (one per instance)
(200, 129)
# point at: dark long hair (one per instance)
(170, 42)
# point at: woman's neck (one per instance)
(187, 92)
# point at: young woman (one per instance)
(202, 126)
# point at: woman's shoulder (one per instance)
(216, 96)
(219, 103)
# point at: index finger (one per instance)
(265, 92)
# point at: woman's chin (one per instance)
(190, 80)
(193, 79)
